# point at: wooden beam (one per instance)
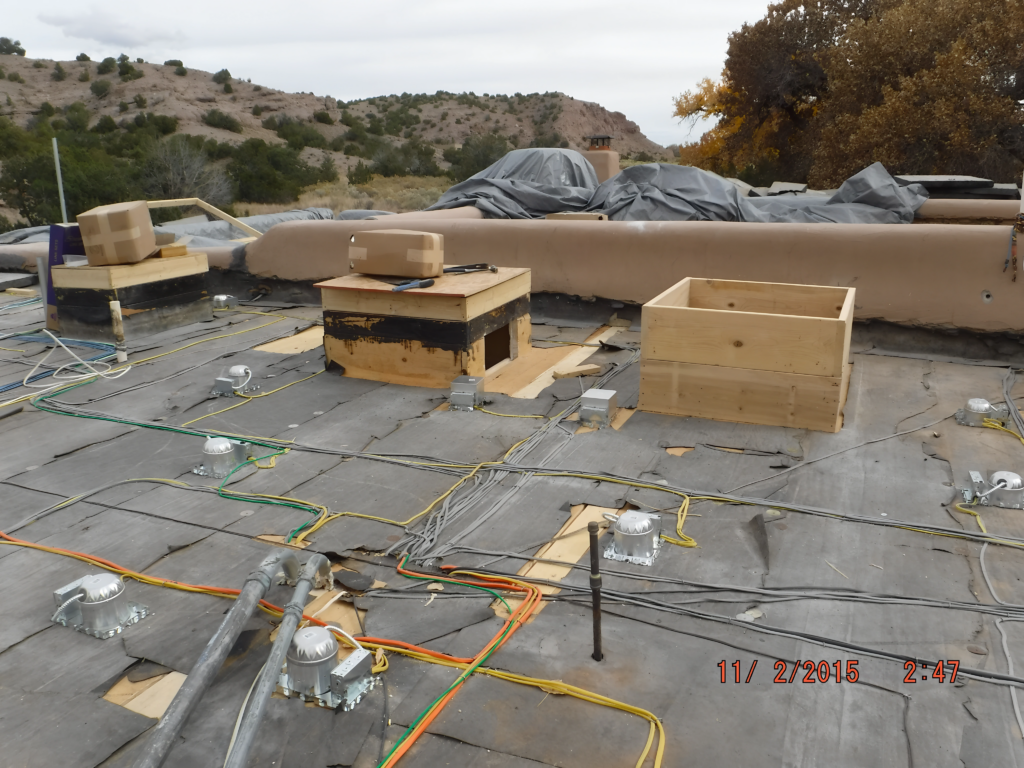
(187, 201)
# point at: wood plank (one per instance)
(808, 345)
(520, 332)
(155, 700)
(452, 297)
(311, 338)
(578, 370)
(524, 369)
(124, 275)
(407, 362)
(575, 356)
(772, 298)
(744, 395)
(570, 544)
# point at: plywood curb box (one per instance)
(758, 353)
(461, 325)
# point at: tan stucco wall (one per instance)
(987, 211)
(927, 274)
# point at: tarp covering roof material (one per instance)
(662, 192)
(526, 184)
(529, 183)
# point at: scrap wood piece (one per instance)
(568, 545)
(150, 697)
(580, 370)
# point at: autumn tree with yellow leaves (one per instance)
(816, 91)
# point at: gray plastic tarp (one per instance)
(526, 184)
(662, 192)
(203, 234)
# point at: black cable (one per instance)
(384, 721)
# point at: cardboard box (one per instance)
(121, 233)
(397, 252)
(757, 353)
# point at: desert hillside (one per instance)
(442, 119)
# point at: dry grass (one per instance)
(397, 194)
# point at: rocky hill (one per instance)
(442, 119)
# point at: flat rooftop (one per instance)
(821, 548)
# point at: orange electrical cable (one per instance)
(515, 620)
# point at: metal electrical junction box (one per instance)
(598, 406)
(1001, 489)
(96, 605)
(978, 410)
(636, 537)
(467, 392)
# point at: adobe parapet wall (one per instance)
(934, 275)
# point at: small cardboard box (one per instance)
(397, 252)
(121, 233)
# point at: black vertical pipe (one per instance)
(594, 528)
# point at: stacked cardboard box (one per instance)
(121, 233)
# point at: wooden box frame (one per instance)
(759, 353)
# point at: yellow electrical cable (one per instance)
(250, 397)
(993, 424)
(507, 415)
(548, 685)
(967, 511)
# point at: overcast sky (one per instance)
(631, 57)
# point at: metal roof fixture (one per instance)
(467, 393)
(224, 301)
(636, 537)
(597, 407)
(235, 383)
(1002, 489)
(96, 605)
(310, 659)
(221, 456)
(313, 674)
(352, 679)
(978, 410)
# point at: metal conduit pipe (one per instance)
(316, 569)
(278, 562)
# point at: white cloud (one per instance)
(112, 29)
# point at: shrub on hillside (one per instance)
(323, 116)
(360, 173)
(106, 66)
(222, 77)
(10, 47)
(100, 88)
(297, 134)
(37, 64)
(228, 88)
(173, 63)
(123, 106)
(83, 76)
(128, 72)
(267, 173)
(77, 117)
(140, 101)
(176, 169)
(180, 71)
(14, 77)
(257, 110)
(477, 153)
(82, 57)
(257, 87)
(105, 124)
(217, 119)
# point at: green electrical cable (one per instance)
(466, 673)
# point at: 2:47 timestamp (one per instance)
(824, 672)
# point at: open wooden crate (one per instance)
(758, 353)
